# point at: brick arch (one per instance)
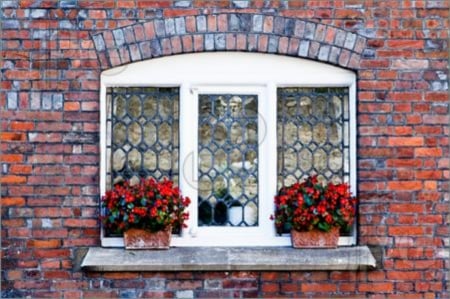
(229, 32)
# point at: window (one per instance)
(230, 128)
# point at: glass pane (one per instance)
(143, 133)
(228, 151)
(315, 139)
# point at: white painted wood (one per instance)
(230, 72)
(226, 68)
(269, 168)
(218, 235)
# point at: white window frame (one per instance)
(237, 73)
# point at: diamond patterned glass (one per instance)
(228, 160)
(313, 134)
(142, 133)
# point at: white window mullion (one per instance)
(352, 159)
(188, 151)
(268, 157)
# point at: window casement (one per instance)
(230, 129)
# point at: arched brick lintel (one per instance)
(229, 32)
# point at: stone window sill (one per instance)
(228, 259)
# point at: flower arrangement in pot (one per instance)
(146, 212)
(314, 213)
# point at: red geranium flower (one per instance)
(149, 205)
(311, 205)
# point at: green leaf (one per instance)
(324, 226)
(130, 205)
(308, 200)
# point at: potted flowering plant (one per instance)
(145, 212)
(314, 213)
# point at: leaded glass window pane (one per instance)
(142, 133)
(228, 160)
(313, 136)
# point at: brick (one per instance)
(184, 284)
(268, 24)
(230, 41)
(81, 223)
(201, 24)
(239, 284)
(299, 28)
(344, 57)
(14, 275)
(252, 43)
(348, 14)
(12, 201)
(59, 274)
(187, 43)
(406, 208)
(190, 24)
(404, 185)
(410, 64)
(428, 152)
(270, 287)
(13, 179)
(257, 25)
(169, 25)
(44, 243)
(405, 230)
(149, 30)
(176, 44)
(135, 55)
(290, 287)
(310, 30)
(17, 222)
(278, 26)
(128, 33)
(53, 212)
(330, 34)
(263, 42)
(323, 53)
(385, 287)
(408, 44)
(219, 41)
(241, 42)
(11, 158)
(222, 23)
(405, 141)
(52, 253)
(334, 55)
(211, 23)
(209, 42)
(273, 44)
(318, 287)
(340, 38)
(22, 75)
(198, 43)
(9, 136)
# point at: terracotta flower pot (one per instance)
(135, 238)
(315, 238)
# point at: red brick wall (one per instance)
(49, 138)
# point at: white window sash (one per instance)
(242, 73)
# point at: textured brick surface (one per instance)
(54, 51)
(275, 37)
